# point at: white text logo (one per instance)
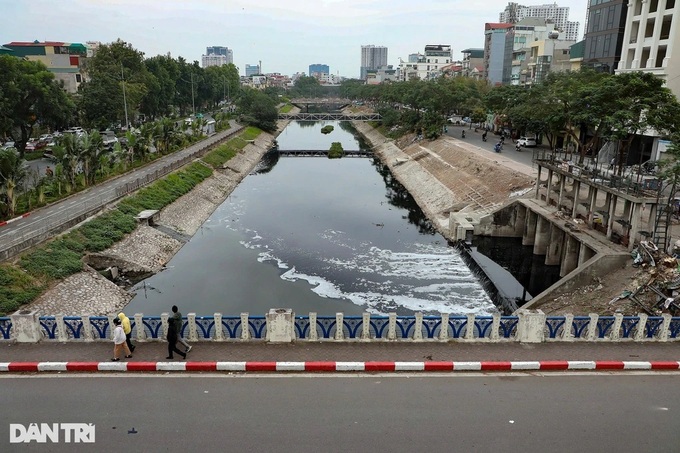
(53, 432)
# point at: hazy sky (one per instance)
(286, 35)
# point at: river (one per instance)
(315, 234)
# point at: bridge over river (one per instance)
(330, 116)
(322, 153)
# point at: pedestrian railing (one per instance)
(526, 327)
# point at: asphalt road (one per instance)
(524, 156)
(376, 413)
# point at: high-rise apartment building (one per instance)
(217, 56)
(372, 57)
(318, 70)
(559, 15)
(252, 70)
(605, 24)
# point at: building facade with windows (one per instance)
(217, 56)
(319, 71)
(605, 25)
(65, 60)
(372, 57)
(498, 52)
(252, 69)
(651, 40)
(559, 15)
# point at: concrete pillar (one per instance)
(560, 196)
(280, 325)
(392, 327)
(530, 228)
(542, 236)
(567, 334)
(418, 327)
(634, 226)
(665, 327)
(60, 333)
(25, 326)
(537, 194)
(592, 327)
(191, 325)
(444, 330)
(139, 327)
(496, 327)
(339, 331)
(584, 254)
(531, 326)
(554, 249)
(470, 327)
(366, 326)
(640, 331)
(592, 204)
(218, 335)
(87, 328)
(626, 209)
(616, 328)
(164, 323)
(611, 211)
(548, 187)
(569, 256)
(245, 331)
(577, 198)
(313, 334)
(520, 219)
(651, 221)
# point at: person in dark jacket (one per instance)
(172, 341)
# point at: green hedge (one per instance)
(223, 153)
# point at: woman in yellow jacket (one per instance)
(127, 328)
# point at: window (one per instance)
(670, 4)
(666, 27)
(653, 6)
(660, 56)
(611, 14)
(79, 78)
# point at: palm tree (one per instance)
(12, 175)
(67, 153)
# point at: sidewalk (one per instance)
(239, 356)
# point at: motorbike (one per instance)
(483, 137)
(497, 147)
(463, 134)
(518, 147)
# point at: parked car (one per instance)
(109, 138)
(7, 145)
(527, 142)
(34, 144)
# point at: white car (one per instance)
(527, 142)
(7, 145)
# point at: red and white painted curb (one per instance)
(7, 222)
(558, 365)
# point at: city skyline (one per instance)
(287, 39)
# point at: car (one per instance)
(8, 145)
(34, 144)
(527, 142)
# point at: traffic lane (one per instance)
(525, 155)
(552, 412)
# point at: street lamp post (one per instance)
(122, 76)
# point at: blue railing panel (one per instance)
(99, 326)
(431, 326)
(302, 327)
(5, 328)
(74, 327)
(379, 326)
(674, 328)
(508, 326)
(604, 326)
(405, 326)
(579, 326)
(257, 326)
(205, 327)
(458, 326)
(555, 326)
(327, 324)
(628, 326)
(352, 326)
(48, 324)
(653, 326)
(483, 325)
(231, 327)
(153, 327)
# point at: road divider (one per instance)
(339, 367)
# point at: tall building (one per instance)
(426, 66)
(605, 24)
(559, 15)
(498, 48)
(217, 56)
(318, 70)
(650, 41)
(372, 57)
(63, 59)
(252, 70)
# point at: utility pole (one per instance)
(193, 105)
(122, 77)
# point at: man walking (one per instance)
(177, 318)
(172, 341)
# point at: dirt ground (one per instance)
(627, 291)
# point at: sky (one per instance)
(285, 35)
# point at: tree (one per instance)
(258, 109)
(29, 95)
(12, 175)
